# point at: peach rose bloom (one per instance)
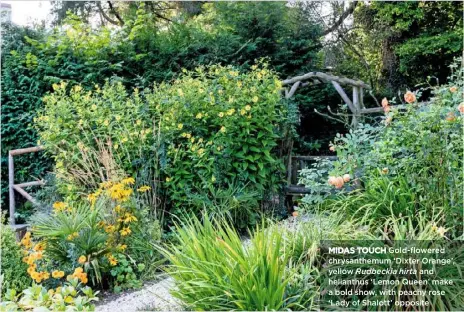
(461, 108)
(295, 213)
(332, 180)
(384, 102)
(332, 148)
(410, 97)
(346, 177)
(386, 109)
(453, 89)
(339, 182)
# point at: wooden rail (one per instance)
(20, 186)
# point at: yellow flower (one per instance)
(180, 92)
(45, 275)
(59, 206)
(92, 198)
(122, 247)
(106, 122)
(255, 99)
(231, 99)
(223, 129)
(39, 247)
(72, 236)
(188, 136)
(143, 188)
(221, 114)
(138, 122)
(230, 112)
(239, 84)
(192, 139)
(247, 108)
(82, 259)
(434, 226)
(125, 231)
(110, 228)
(199, 116)
(128, 181)
(129, 218)
(57, 274)
(168, 179)
(242, 112)
(118, 118)
(113, 261)
(213, 179)
(116, 146)
(180, 126)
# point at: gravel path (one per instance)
(154, 297)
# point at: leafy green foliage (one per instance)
(22, 88)
(71, 296)
(13, 270)
(124, 275)
(222, 129)
(415, 40)
(88, 134)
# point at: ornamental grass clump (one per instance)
(214, 270)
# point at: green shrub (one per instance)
(95, 136)
(13, 271)
(222, 129)
(213, 270)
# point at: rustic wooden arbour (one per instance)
(355, 104)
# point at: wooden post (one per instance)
(356, 114)
(345, 97)
(361, 98)
(11, 188)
